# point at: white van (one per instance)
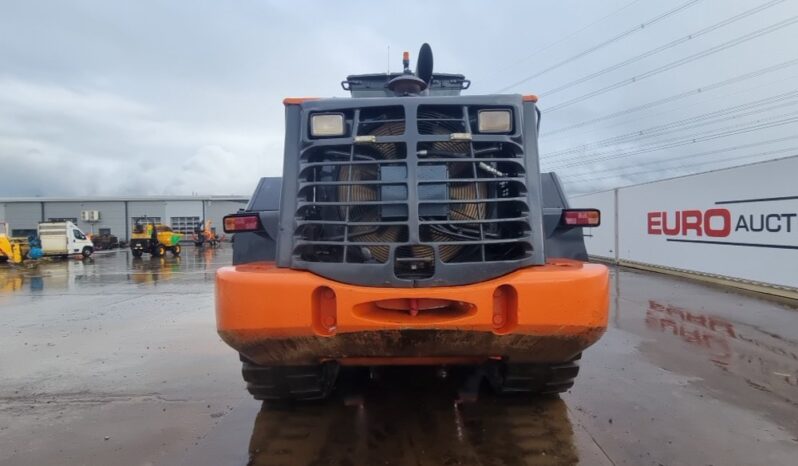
(63, 239)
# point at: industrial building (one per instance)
(116, 215)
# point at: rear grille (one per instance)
(410, 196)
(486, 210)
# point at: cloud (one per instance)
(157, 97)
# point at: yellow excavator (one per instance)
(11, 249)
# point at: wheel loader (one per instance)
(411, 226)
(12, 249)
(154, 239)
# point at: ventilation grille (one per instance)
(486, 213)
(468, 201)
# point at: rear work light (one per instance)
(494, 121)
(240, 223)
(581, 217)
(327, 125)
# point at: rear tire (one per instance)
(537, 379)
(176, 250)
(289, 383)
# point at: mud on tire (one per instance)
(539, 379)
(289, 383)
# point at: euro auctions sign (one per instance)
(757, 222)
(740, 223)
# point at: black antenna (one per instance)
(424, 64)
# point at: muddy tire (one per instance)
(289, 383)
(536, 379)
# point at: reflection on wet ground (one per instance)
(742, 346)
(115, 360)
(767, 361)
(102, 269)
(409, 417)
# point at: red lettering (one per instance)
(697, 319)
(656, 306)
(725, 228)
(713, 324)
(691, 220)
(674, 230)
(684, 222)
(667, 323)
(654, 223)
(690, 336)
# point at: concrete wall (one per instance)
(112, 215)
(23, 215)
(740, 223)
(147, 209)
(183, 209)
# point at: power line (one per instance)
(601, 45)
(662, 48)
(735, 111)
(692, 139)
(723, 150)
(563, 39)
(692, 166)
(768, 109)
(702, 103)
(726, 45)
(679, 96)
(703, 136)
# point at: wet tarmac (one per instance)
(115, 360)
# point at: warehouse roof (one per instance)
(125, 198)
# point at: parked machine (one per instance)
(54, 239)
(105, 241)
(205, 234)
(154, 238)
(12, 249)
(411, 227)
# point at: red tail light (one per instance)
(239, 223)
(581, 217)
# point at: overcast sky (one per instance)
(145, 97)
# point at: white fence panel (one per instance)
(600, 241)
(740, 223)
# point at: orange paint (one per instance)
(563, 297)
(297, 100)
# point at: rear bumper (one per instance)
(537, 314)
